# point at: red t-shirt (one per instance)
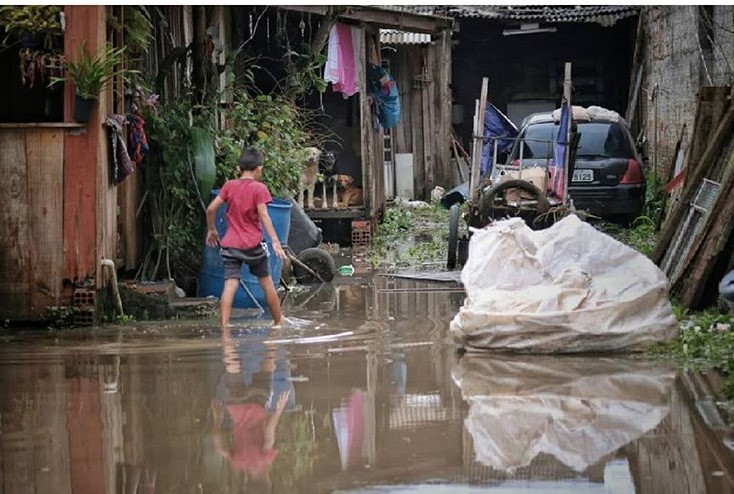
(248, 438)
(244, 230)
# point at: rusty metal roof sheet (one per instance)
(606, 15)
(395, 37)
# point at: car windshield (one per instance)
(597, 139)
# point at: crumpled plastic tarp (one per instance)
(565, 289)
(579, 410)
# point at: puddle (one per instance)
(373, 397)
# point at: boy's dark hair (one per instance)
(250, 159)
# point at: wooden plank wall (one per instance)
(14, 243)
(35, 401)
(44, 161)
(31, 269)
(425, 118)
(372, 146)
(90, 212)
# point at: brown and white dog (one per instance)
(308, 177)
(350, 194)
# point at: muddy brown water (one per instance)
(375, 398)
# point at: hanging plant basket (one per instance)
(83, 108)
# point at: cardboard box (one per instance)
(536, 175)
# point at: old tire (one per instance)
(488, 201)
(317, 260)
(453, 236)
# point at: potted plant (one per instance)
(91, 74)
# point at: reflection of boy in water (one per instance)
(251, 397)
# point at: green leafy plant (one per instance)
(175, 218)
(136, 27)
(175, 192)
(411, 238)
(304, 72)
(34, 21)
(61, 316)
(274, 125)
(654, 200)
(93, 73)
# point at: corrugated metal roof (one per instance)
(606, 15)
(395, 37)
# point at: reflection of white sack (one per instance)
(568, 288)
(576, 409)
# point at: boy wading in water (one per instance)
(247, 215)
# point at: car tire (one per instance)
(319, 261)
(453, 236)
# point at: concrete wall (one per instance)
(685, 48)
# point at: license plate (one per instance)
(583, 176)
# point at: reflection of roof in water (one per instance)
(418, 409)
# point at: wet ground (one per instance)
(364, 394)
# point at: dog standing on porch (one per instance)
(308, 177)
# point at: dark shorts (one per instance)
(255, 258)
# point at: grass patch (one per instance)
(411, 238)
(705, 342)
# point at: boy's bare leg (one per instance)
(227, 299)
(271, 297)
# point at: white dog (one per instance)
(308, 177)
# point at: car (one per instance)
(606, 172)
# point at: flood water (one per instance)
(364, 394)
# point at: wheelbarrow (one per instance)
(308, 263)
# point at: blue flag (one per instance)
(558, 171)
(496, 127)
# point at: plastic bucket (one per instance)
(211, 274)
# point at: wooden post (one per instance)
(84, 152)
(567, 154)
(478, 140)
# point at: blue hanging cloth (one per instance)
(384, 90)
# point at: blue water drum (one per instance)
(211, 274)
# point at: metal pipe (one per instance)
(109, 263)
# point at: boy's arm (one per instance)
(262, 211)
(272, 422)
(212, 237)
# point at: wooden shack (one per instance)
(65, 218)
(61, 210)
(423, 129)
(421, 141)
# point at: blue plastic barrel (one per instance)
(211, 274)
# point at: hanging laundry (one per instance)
(359, 53)
(384, 91)
(347, 72)
(343, 54)
(136, 141)
(331, 67)
(122, 165)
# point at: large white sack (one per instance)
(567, 288)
